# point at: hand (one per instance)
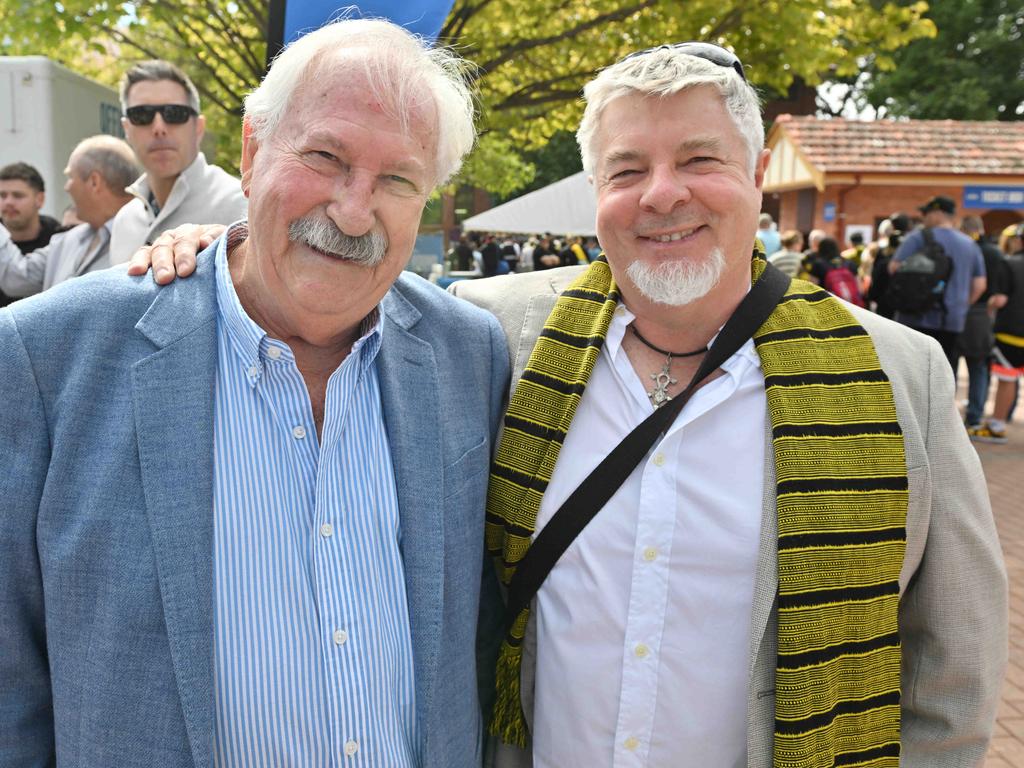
(174, 252)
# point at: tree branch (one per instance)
(727, 22)
(509, 52)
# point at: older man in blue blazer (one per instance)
(241, 515)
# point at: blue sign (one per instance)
(289, 20)
(1003, 198)
(829, 212)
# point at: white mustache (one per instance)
(321, 233)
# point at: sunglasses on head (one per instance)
(172, 114)
(707, 51)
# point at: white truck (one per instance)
(45, 110)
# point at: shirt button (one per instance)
(253, 370)
(650, 554)
(327, 530)
(631, 743)
(274, 353)
(641, 651)
(340, 637)
(351, 747)
(659, 459)
(299, 432)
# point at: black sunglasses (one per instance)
(173, 114)
(707, 51)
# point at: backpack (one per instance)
(920, 282)
(841, 282)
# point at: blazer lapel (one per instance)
(173, 392)
(408, 375)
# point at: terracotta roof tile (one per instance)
(908, 146)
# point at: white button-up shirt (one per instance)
(643, 624)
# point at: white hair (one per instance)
(402, 69)
(665, 71)
(677, 283)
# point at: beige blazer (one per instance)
(953, 605)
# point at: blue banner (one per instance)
(1002, 198)
(424, 17)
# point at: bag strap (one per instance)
(595, 491)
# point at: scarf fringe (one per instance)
(509, 722)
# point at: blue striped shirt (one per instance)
(313, 654)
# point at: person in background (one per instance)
(767, 235)
(22, 196)
(891, 232)
(868, 257)
(510, 251)
(98, 171)
(463, 254)
(546, 254)
(975, 342)
(579, 254)
(855, 252)
(966, 283)
(70, 217)
(1008, 354)
(814, 239)
(163, 123)
(791, 256)
(526, 254)
(490, 251)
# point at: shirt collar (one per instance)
(250, 343)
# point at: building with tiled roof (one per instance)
(840, 175)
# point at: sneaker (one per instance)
(986, 434)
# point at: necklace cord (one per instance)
(665, 352)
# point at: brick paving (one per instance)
(1004, 471)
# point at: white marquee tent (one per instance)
(566, 207)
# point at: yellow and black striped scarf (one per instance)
(841, 499)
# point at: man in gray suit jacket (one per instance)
(286, 570)
(795, 574)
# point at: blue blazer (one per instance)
(106, 499)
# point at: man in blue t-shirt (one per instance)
(966, 283)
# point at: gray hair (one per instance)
(972, 225)
(154, 71)
(402, 70)
(665, 71)
(111, 157)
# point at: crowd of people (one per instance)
(489, 254)
(724, 518)
(977, 309)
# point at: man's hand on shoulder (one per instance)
(173, 254)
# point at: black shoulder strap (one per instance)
(595, 491)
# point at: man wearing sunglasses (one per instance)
(163, 125)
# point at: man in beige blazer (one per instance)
(624, 664)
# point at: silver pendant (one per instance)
(662, 381)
